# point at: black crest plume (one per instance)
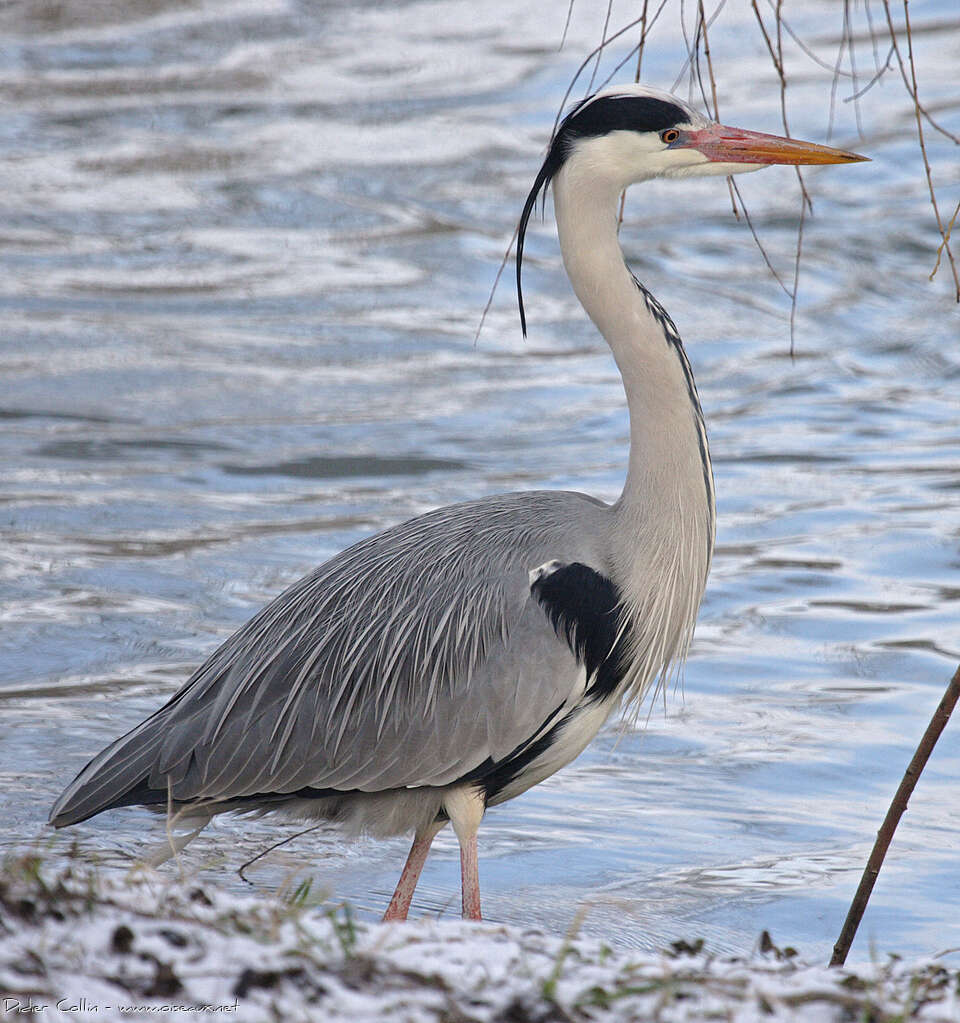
(592, 117)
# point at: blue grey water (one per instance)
(244, 248)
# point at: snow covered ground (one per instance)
(76, 946)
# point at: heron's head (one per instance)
(631, 133)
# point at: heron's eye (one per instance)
(668, 136)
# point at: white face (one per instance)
(627, 157)
(691, 146)
(633, 156)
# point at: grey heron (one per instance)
(453, 661)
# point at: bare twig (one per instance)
(805, 47)
(910, 82)
(643, 37)
(837, 71)
(937, 723)
(796, 269)
(597, 49)
(873, 37)
(603, 41)
(636, 78)
(776, 55)
(918, 114)
(566, 25)
(496, 282)
(881, 71)
(701, 33)
(945, 242)
(270, 848)
(646, 27)
(693, 53)
(756, 238)
(848, 29)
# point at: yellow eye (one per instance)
(670, 135)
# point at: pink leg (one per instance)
(465, 807)
(470, 879)
(407, 885)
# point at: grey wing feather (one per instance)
(407, 660)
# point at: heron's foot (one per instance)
(394, 912)
(471, 911)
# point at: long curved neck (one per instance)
(668, 491)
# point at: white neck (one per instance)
(664, 520)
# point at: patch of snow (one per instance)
(78, 946)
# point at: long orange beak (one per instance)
(722, 144)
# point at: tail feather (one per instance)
(117, 776)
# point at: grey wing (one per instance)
(407, 660)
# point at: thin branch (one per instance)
(597, 49)
(805, 47)
(914, 92)
(566, 25)
(897, 807)
(643, 37)
(873, 36)
(636, 78)
(688, 61)
(776, 55)
(702, 26)
(636, 49)
(645, 30)
(603, 40)
(848, 28)
(796, 269)
(496, 282)
(873, 81)
(702, 34)
(270, 848)
(912, 88)
(836, 73)
(945, 242)
(756, 238)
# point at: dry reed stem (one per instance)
(896, 810)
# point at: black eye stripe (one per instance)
(621, 113)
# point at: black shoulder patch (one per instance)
(584, 608)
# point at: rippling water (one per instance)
(243, 253)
